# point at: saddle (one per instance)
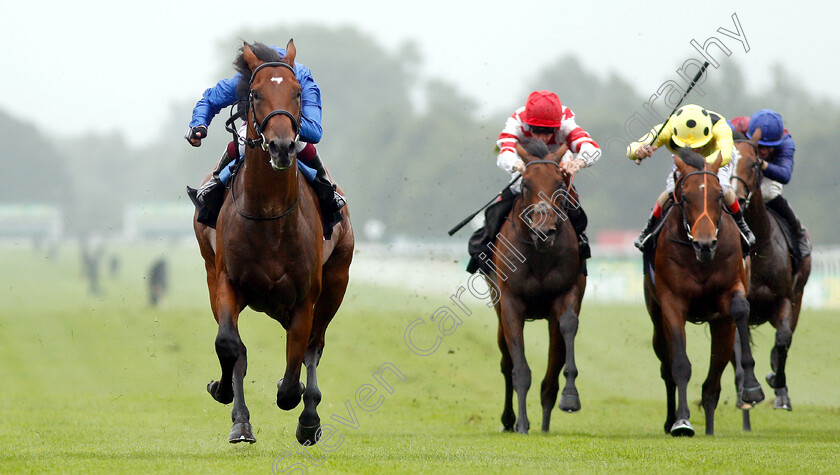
(494, 217)
(790, 239)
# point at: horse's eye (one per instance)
(255, 95)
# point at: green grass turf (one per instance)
(109, 384)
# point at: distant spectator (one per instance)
(157, 282)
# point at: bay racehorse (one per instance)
(267, 251)
(698, 275)
(776, 282)
(537, 273)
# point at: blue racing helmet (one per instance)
(772, 128)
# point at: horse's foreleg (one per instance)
(233, 360)
(508, 415)
(723, 340)
(777, 379)
(739, 308)
(513, 323)
(739, 383)
(290, 389)
(569, 399)
(334, 285)
(551, 383)
(673, 317)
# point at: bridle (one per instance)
(527, 219)
(258, 125)
(678, 200)
(755, 170)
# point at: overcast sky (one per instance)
(76, 66)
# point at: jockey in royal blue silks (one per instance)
(776, 149)
(210, 195)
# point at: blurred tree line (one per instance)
(413, 154)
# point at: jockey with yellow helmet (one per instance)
(709, 134)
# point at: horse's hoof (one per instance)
(569, 403)
(287, 402)
(782, 402)
(771, 379)
(743, 405)
(307, 436)
(213, 387)
(682, 428)
(752, 396)
(242, 432)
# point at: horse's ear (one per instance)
(558, 154)
(756, 136)
(249, 56)
(715, 166)
(523, 154)
(681, 166)
(291, 52)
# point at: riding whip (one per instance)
(466, 220)
(690, 86)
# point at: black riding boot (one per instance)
(208, 198)
(330, 199)
(641, 241)
(742, 226)
(780, 205)
(494, 217)
(579, 222)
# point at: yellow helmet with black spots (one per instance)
(691, 126)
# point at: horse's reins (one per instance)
(678, 187)
(258, 128)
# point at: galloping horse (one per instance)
(536, 269)
(267, 251)
(776, 287)
(698, 276)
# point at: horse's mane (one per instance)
(264, 53)
(535, 147)
(691, 158)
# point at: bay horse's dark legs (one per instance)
(569, 399)
(739, 383)
(674, 315)
(550, 385)
(334, 284)
(740, 311)
(660, 348)
(508, 415)
(290, 388)
(723, 340)
(777, 379)
(233, 360)
(513, 324)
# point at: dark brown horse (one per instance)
(267, 251)
(776, 288)
(698, 276)
(536, 269)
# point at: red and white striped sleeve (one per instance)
(508, 138)
(578, 140)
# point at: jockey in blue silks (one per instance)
(223, 95)
(776, 149)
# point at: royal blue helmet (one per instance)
(772, 128)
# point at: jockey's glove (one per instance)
(195, 134)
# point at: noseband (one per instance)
(680, 202)
(259, 126)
